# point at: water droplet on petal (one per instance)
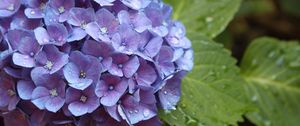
(165, 92)
(11, 7)
(130, 112)
(254, 98)
(32, 12)
(146, 113)
(136, 111)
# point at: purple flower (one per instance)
(8, 94)
(55, 34)
(20, 21)
(170, 93)
(82, 70)
(35, 8)
(105, 2)
(128, 55)
(79, 18)
(176, 36)
(144, 77)
(138, 20)
(126, 40)
(101, 50)
(156, 15)
(138, 107)
(81, 102)
(110, 89)
(49, 92)
(104, 26)
(149, 47)
(123, 65)
(62, 7)
(51, 59)
(164, 62)
(9, 7)
(186, 61)
(27, 48)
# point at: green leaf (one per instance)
(272, 70)
(207, 17)
(213, 93)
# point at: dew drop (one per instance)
(130, 112)
(271, 54)
(146, 113)
(32, 12)
(10, 7)
(254, 98)
(209, 19)
(267, 123)
(136, 111)
(165, 92)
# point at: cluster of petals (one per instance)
(90, 62)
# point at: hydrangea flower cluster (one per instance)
(90, 62)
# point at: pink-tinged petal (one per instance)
(97, 49)
(131, 67)
(54, 104)
(122, 86)
(23, 60)
(34, 13)
(25, 89)
(42, 36)
(78, 108)
(93, 30)
(153, 47)
(76, 34)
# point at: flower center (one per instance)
(83, 98)
(11, 7)
(103, 30)
(83, 25)
(11, 92)
(53, 93)
(82, 74)
(61, 9)
(48, 65)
